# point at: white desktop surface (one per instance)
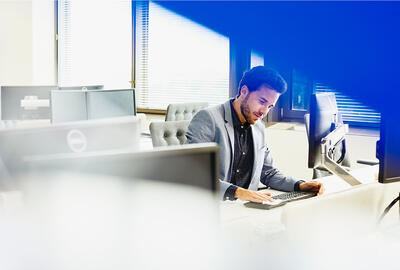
(254, 224)
(333, 183)
(145, 143)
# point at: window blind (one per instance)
(178, 60)
(94, 43)
(352, 111)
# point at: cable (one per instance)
(388, 208)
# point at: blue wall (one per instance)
(352, 46)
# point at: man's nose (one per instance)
(264, 110)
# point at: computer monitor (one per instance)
(91, 104)
(81, 87)
(324, 118)
(388, 148)
(25, 102)
(326, 138)
(110, 103)
(68, 105)
(72, 137)
(195, 164)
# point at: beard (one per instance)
(245, 110)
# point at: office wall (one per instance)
(16, 42)
(27, 49)
(43, 42)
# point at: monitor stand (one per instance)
(328, 145)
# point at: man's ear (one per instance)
(244, 90)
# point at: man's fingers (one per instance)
(267, 197)
(267, 193)
(260, 197)
(256, 197)
(321, 189)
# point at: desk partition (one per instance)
(194, 165)
(76, 105)
(25, 102)
(73, 137)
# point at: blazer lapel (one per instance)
(257, 144)
(229, 125)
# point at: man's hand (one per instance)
(252, 196)
(312, 186)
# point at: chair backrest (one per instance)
(169, 132)
(184, 111)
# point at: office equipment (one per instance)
(294, 196)
(110, 103)
(75, 105)
(168, 132)
(183, 111)
(68, 106)
(326, 137)
(282, 199)
(81, 87)
(195, 165)
(25, 102)
(73, 137)
(388, 149)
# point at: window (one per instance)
(256, 59)
(352, 111)
(300, 91)
(94, 43)
(178, 60)
(300, 88)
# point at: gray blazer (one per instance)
(215, 124)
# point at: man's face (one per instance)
(255, 105)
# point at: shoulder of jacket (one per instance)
(260, 125)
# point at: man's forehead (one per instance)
(267, 92)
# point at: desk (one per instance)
(332, 183)
(145, 142)
(254, 224)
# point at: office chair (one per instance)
(318, 173)
(169, 132)
(184, 111)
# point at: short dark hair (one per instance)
(263, 76)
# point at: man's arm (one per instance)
(272, 177)
(202, 129)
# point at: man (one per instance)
(245, 159)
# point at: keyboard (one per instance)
(283, 198)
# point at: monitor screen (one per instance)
(72, 137)
(82, 87)
(194, 165)
(25, 102)
(111, 103)
(388, 149)
(68, 106)
(324, 118)
(91, 104)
